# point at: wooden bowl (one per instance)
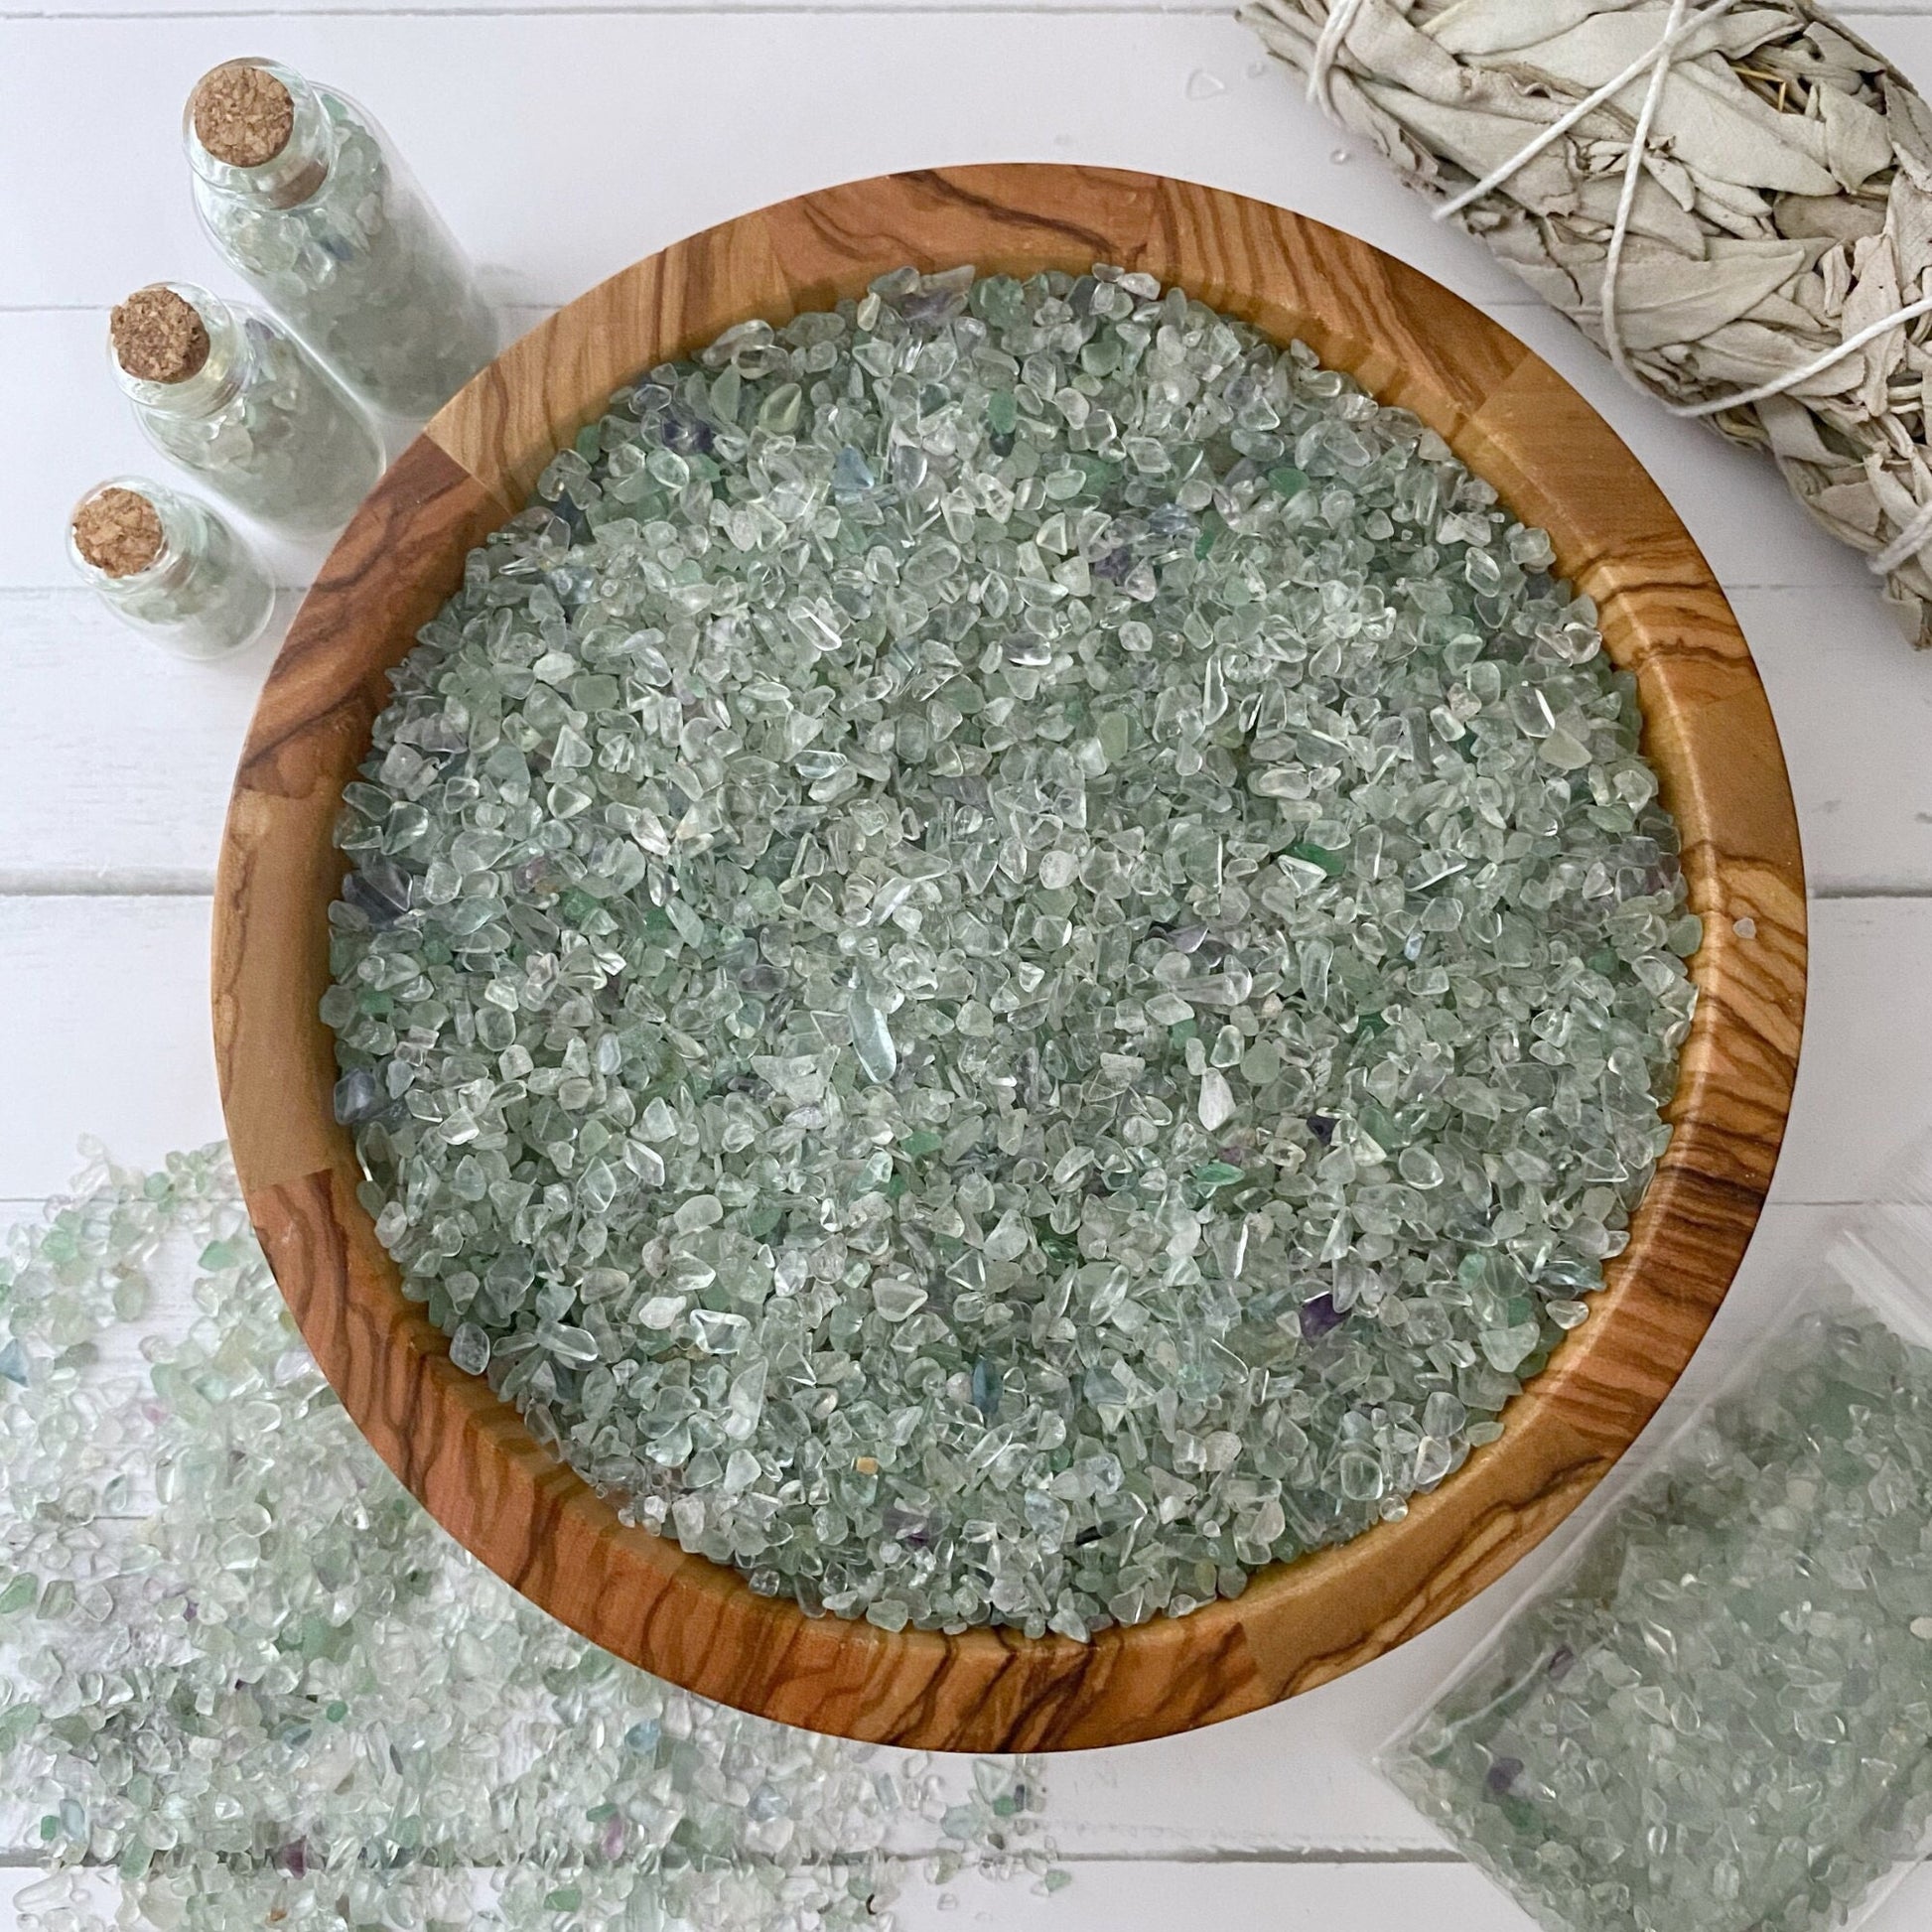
(468, 1456)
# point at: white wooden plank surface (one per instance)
(103, 1028)
(613, 127)
(104, 795)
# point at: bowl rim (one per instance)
(468, 1456)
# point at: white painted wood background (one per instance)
(564, 141)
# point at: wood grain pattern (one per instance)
(468, 1456)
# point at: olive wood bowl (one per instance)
(468, 1456)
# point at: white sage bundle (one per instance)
(1734, 199)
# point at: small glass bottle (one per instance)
(231, 395)
(301, 191)
(170, 567)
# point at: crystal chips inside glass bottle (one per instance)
(231, 395)
(301, 191)
(170, 567)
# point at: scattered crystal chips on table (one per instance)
(250, 1682)
(1012, 955)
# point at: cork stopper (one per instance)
(242, 114)
(119, 531)
(158, 336)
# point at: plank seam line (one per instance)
(134, 882)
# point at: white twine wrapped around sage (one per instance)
(1734, 199)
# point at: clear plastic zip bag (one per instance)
(1716, 1715)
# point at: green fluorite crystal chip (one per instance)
(1719, 1721)
(1010, 957)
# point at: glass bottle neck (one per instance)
(182, 540)
(212, 386)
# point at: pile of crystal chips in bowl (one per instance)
(1010, 957)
